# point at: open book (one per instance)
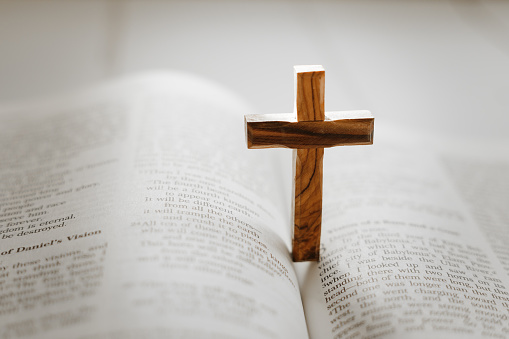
(135, 210)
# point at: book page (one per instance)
(402, 255)
(133, 212)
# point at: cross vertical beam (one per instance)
(308, 166)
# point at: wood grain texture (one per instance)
(309, 92)
(307, 204)
(270, 132)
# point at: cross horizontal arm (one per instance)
(283, 130)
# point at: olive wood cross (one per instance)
(308, 132)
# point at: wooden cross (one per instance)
(308, 132)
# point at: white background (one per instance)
(437, 66)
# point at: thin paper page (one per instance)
(402, 256)
(151, 222)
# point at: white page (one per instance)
(402, 256)
(173, 237)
